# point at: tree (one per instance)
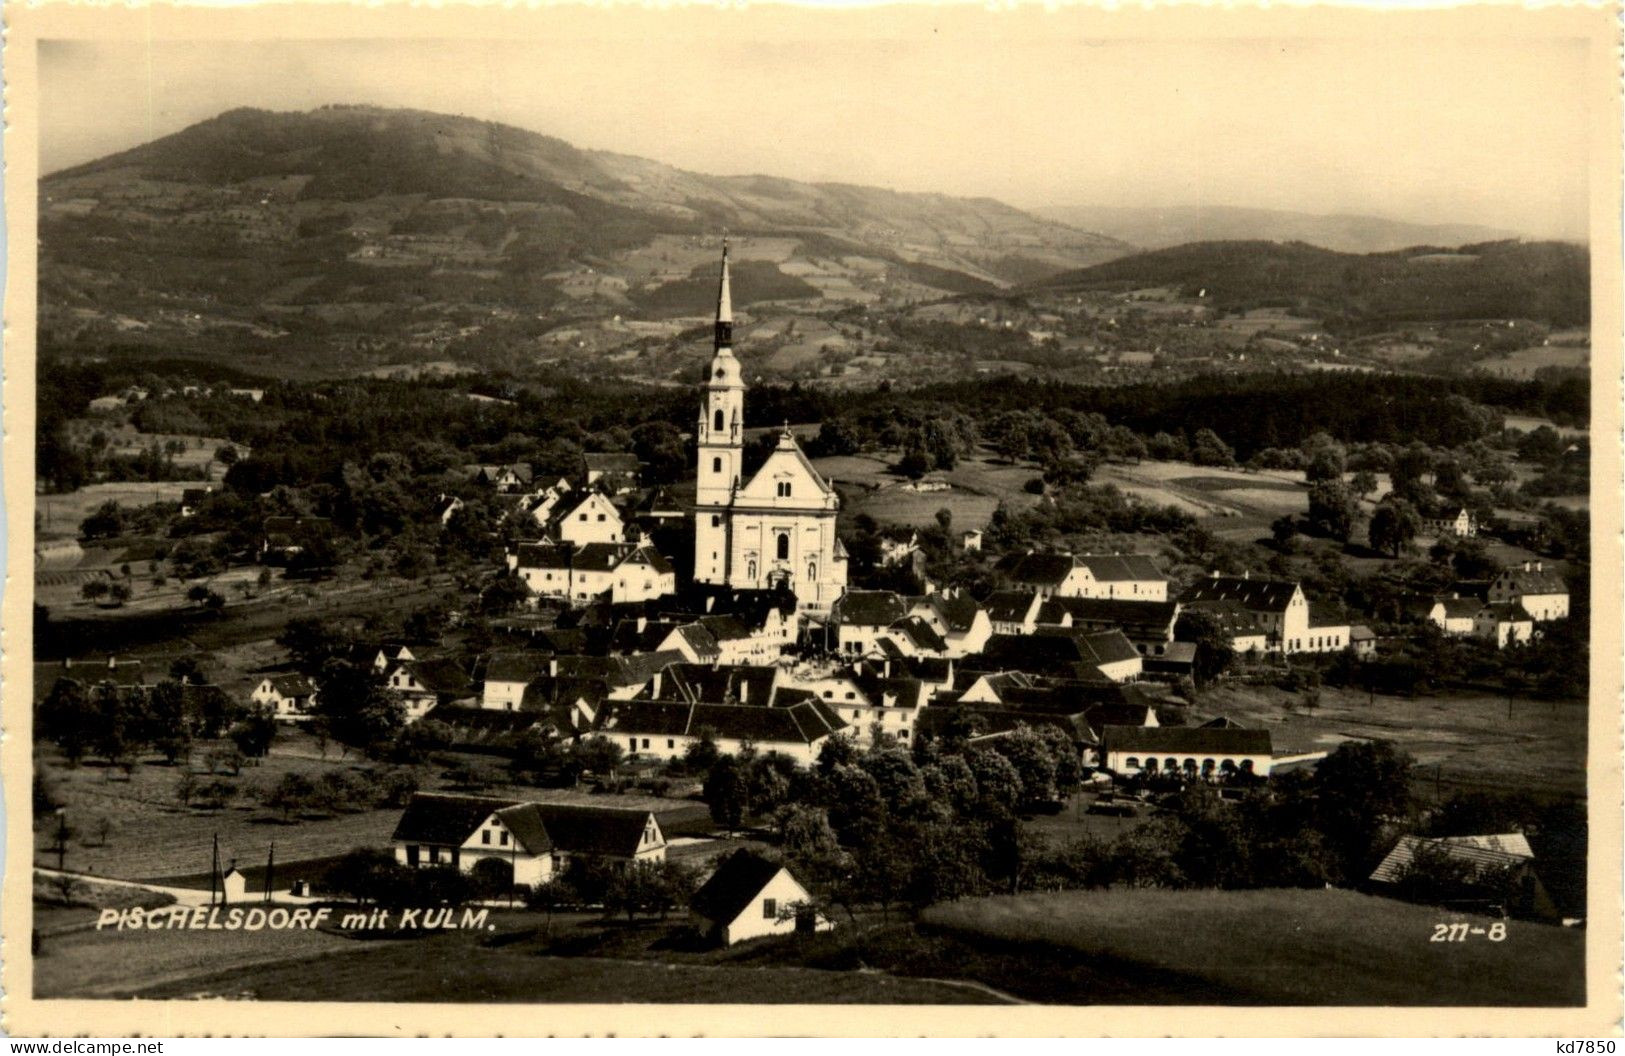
(1208, 450)
(1359, 788)
(701, 753)
(294, 792)
(1214, 653)
(367, 875)
(599, 756)
(187, 669)
(1393, 525)
(1284, 529)
(118, 594)
(310, 642)
(727, 792)
(253, 733)
(1332, 509)
(105, 522)
(95, 589)
(1363, 483)
(185, 786)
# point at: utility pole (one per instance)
(61, 836)
(270, 869)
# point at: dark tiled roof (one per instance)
(1479, 853)
(1505, 612)
(442, 819)
(1259, 595)
(1185, 740)
(937, 721)
(292, 685)
(725, 628)
(516, 667)
(1460, 608)
(1532, 582)
(734, 886)
(957, 613)
(920, 633)
(802, 723)
(868, 608)
(1232, 616)
(1118, 568)
(1007, 606)
(734, 683)
(439, 676)
(1046, 570)
(1141, 617)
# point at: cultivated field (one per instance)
(1525, 361)
(977, 486)
(59, 515)
(1285, 947)
(1462, 741)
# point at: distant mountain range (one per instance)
(1545, 281)
(254, 211)
(1163, 226)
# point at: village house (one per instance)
(1014, 611)
(1148, 624)
(748, 897)
(616, 472)
(1242, 628)
(963, 624)
(506, 676)
(1064, 653)
(1279, 606)
(291, 698)
(1499, 867)
(592, 520)
(422, 684)
(1455, 521)
(909, 637)
(898, 547)
(1504, 623)
(1132, 576)
(445, 507)
(1192, 751)
(862, 617)
(622, 572)
(970, 541)
(527, 843)
(1453, 615)
(664, 729)
(1541, 592)
(868, 701)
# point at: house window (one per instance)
(812, 571)
(750, 570)
(770, 909)
(1132, 762)
(582, 517)
(632, 742)
(502, 838)
(784, 546)
(784, 489)
(485, 836)
(646, 742)
(670, 743)
(600, 518)
(716, 522)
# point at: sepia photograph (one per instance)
(903, 506)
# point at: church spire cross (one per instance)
(725, 304)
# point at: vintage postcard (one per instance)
(622, 519)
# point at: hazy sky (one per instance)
(1433, 130)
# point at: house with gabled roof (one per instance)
(1453, 615)
(528, 842)
(422, 684)
(749, 897)
(1013, 611)
(615, 471)
(963, 624)
(1148, 624)
(1499, 866)
(506, 676)
(291, 698)
(1541, 591)
(664, 729)
(1131, 576)
(621, 572)
(1280, 606)
(1064, 652)
(861, 617)
(1503, 623)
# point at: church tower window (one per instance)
(784, 546)
(716, 464)
(717, 422)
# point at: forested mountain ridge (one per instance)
(373, 234)
(1545, 281)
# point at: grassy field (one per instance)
(509, 965)
(150, 836)
(1525, 361)
(1462, 741)
(1285, 947)
(978, 486)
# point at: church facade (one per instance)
(777, 528)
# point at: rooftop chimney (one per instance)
(112, 663)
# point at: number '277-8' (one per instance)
(1459, 932)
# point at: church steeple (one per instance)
(725, 306)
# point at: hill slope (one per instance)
(1546, 281)
(1161, 227)
(346, 223)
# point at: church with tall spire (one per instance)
(776, 529)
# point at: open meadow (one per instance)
(1281, 947)
(1462, 741)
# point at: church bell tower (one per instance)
(721, 443)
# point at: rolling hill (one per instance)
(1161, 227)
(1544, 281)
(348, 228)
